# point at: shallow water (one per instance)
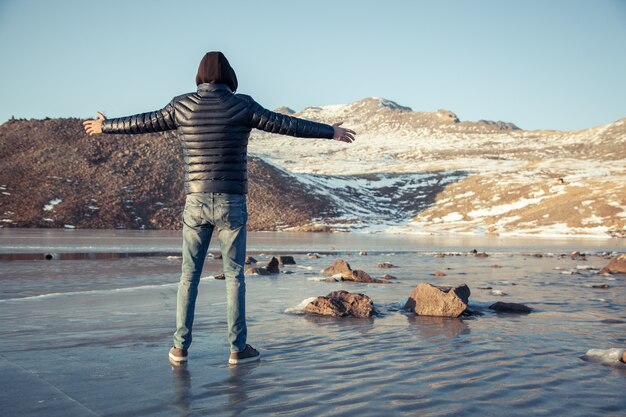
(90, 336)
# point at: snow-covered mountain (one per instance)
(429, 172)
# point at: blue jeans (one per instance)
(203, 213)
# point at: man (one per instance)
(213, 125)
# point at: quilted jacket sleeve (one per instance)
(269, 121)
(155, 121)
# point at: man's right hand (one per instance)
(94, 127)
(343, 134)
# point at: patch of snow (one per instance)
(592, 220)
(52, 203)
(504, 208)
(453, 217)
(299, 309)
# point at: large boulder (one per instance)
(341, 304)
(431, 300)
(339, 267)
(616, 266)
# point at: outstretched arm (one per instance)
(269, 121)
(151, 122)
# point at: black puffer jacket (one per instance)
(213, 126)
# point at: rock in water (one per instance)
(272, 266)
(431, 300)
(339, 267)
(286, 260)
(250, 270)
(362, 276)
(342, 304)
(616, 266)
(510, 308)
(386, 265)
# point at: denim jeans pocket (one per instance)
(234, 213)
(192, 214)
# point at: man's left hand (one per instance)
(343, 134)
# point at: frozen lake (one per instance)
(87, 332)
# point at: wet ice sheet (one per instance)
(101, 349)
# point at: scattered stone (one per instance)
(359, 276)
(499, 293)
(331, 279)
(385, 265)
(481, 255)
(217, 255)
(250, 270)
(338, 267)
(288, 272)
(439, 274)
(496, 266)
(485, 288)
(616, 266)
(363, 253)
(440, 255)
(510, 308)
(50, 256)
(286, 260)
(220, 276)
(577, 256)
(603, 286)
(314, 256)
(387, 276)
(362, 276)
(250, 260)
(272, 266)
(341, 304)
(430, 300)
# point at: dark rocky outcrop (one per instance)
(342, 304)
(510, 308)
(272, 266)
(500, 124)
(385, 265)
(431, 300)
(286, 260)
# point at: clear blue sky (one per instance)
(557, 64)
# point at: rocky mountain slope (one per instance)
(495, 177)
(408, 172)
(53, 175)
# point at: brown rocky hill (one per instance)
(52, 175)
